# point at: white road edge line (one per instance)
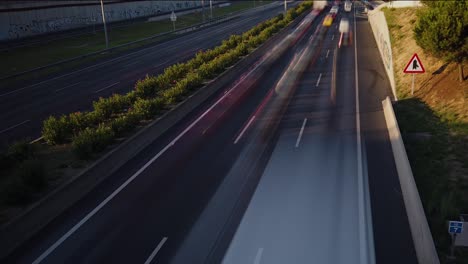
(17, 125)
(156, 250)
(258, 257)
(318, 80)
(133, 177)
(107, 87)
(328, 52)
(245, 129)
(130, 64)
(300, 133)
(365, 256)
(66, 87)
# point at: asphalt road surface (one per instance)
(24, 107)
(270, 170)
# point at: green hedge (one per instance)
(111, 117)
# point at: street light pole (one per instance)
(104, 23)
(285, 6)
(211, 9)
(203, 9)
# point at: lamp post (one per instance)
(104, 23)
(211, 9)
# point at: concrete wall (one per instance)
(23, 23)
(382, 37)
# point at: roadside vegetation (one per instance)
(70, 142)
(434, 122)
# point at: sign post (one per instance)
(173, 19)
(414, 66)
(455, 227)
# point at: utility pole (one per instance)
(104, 23)
(211, 9)
(285, 7)
(203, 9)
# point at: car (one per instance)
(347, 6)
(346, 36)
(334, 11)
(328, 20)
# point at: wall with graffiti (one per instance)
(24, 23)
(382, 37)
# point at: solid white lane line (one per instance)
(328, 52)
(318, 80)
(66, 87)
(258, 257)
(365, 252)
(17, 125)
(107, 87)
(161, 64)
(156, 250)
(131, 63)
(245, 129)
(133, 177)
(300, 133)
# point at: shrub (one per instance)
(56, 130)
(105, 107)
(16, 192)
(174, 94)
(79, 121)
(20, 151)
(147, 108)
(90, 141)
(33, 174)
(194, 80)
(176, 71)
(28, 179)
(147, 87)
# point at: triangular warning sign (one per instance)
(414, 65)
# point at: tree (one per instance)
(442, 30)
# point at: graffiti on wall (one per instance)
(114, 13)
(49, 25)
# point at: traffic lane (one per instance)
(305, 206)
(60, 102)
(41, 245)
(137, 66)
(393, 241)
(142, 52)
(12, 117)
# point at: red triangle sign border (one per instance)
(414, 71)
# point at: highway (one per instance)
(24, 107)
(272, 169)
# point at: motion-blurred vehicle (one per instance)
(345, 37)
(320, 5)
(334, 11)
(328, 20)
(347, 6)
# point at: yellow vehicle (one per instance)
(328, 21)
